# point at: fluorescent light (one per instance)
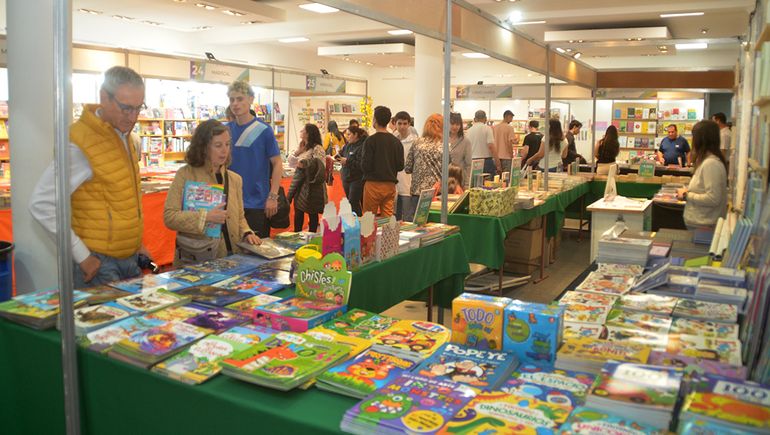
(577, 55)
(206, 6)
(295, 39)
(400, 32)
(683, 14)
(692, 46)
(233, 13)
(318, 8)
(89, 11)
(561, 50)
(475, 55)
(523, 23)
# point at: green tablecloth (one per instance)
(378, 286)
(484, 235)
(120, 399)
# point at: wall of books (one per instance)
(319, 110)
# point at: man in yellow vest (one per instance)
(104, 181)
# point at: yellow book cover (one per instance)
(477, 321)
(602, 350)
(727, 409)
(414, 336)
(356, 344)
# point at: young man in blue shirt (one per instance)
(674, 149)
(256, 158)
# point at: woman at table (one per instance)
(308, 188)
(557, 147)
(424, 160)
(608, 147)
(352, 174)
(706, 195)
(460, 149)
(207, 159)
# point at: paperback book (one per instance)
(230, 265)
(256, 282)
(93, 317)
(202, 196)
(744, 390)
(634, 320)
(362, 375)
(102, 293)
(267, 249)
(580, 330)
(725, 351)
(481, 369)
(734, 415)
(177, 312)
(696, 366)
(217, 319)
(356, 344)
(647, 303)
(189, 276)
(296, 314)
(700, 310)
(654, 340)
(360, 323)
(586, 313)
(544, 383)
(103, 339)
(412, 338)
(589, 355)
(146, 283)
(246, 306)
(216, 296)
(594, 421)
(147, 347)
(578, 297)
(37, 310)
(705, 328)
(153, 300)
(606, 283)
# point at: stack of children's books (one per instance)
(147, 347)
(720, 405)
(590, 354)
(623, 250)
(362, 375)
(37, 310)
(481, 369)
(595, 421)
(542, 382)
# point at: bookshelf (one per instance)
(342, 113)
(164, 140)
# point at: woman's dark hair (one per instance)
(333, 129)
(313, 136)
(555, 134)
(457, 118)
(456, 172)
(609, 147)
(198, 151)
(358, 131)
(705, 141)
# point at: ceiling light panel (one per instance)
(400, 32)
(475, 55)
(292, 40)
(692, 46)
(592, 35)
(318, 8)
(682, 14)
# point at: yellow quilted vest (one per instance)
(107, 209)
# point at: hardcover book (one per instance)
(411, 338)
(477, 320)
(102, 293)
(149, 346)
(103, 339)
(178, 312)
(481, 369)
(93, 317)
(190, 276)
(147, 283)
(257, 282)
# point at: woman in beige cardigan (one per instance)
(207, 159)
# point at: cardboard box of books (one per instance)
(477, 321)
(492, 202)
(533, 331)
(322, 290)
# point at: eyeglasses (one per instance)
(125, 108)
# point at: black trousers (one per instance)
(299, 220)
(257, 221)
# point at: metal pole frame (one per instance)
(447, 80)
(593, 130)
(547, 126)
(62, 71)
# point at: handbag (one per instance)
(195, 249)
(281, 217)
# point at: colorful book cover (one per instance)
(360, 323)
(151, 300)
(482, 369)
(365, 373)
(533, 331)
(296, 314)
(706, 311)
(477, 321)
(490, 413)
(102, 293)
(103, 339)
(565, 387)
(98, 316)
(257, 282)
(601, 350)
(585, 313)
(586, 298)
(579, 330)
(412, 336)
(663, 305)
(644, 321)
(726, 351)
(200, 362)
(248, 334)
(704, 328)
(598, 282)
(368, 238)
(246, 306)
(230, 265)
(159, 341)
(326, 279)
(13, 308)
(655, 340)
(728, 410)
(48, 300)
(746, 391)
(356, 344)
(189, 277)
(217, 319)
(652, 386)
(178, 312)
(693, 365)
(410, 404)
(617, 113)
(592, 421)
(209, 295)
(351, 236)
(147, 283)
(199, 195)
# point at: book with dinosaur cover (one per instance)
(37, 310)
(102, 293)
(152, 300)
(481, 369)
(362, 375)
(410, 404)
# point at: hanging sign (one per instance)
(324, 84)
(484, 92)
(211, 72)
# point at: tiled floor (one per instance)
(572, 259)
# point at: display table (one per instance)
(629, 190)
(120, 399)
(637, 218)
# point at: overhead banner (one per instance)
(211, 72)
(324, 84)
(484, 92)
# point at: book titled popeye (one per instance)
(199, 195)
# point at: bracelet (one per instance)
(272, 196)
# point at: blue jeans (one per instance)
(489, 166)
(112, 269)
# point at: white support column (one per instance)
(428, 71)
(31, 97)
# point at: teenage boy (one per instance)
(256, 158)
(106, 198)
(674, 149)
(504, 134)
(383, 157)
(483, 143)
(407, 136)
(573, 130)
(531, 143)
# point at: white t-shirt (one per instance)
(481, 136)
(725, 135)
(404, 179)
(554, 156)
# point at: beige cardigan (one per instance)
(192, 223)
(707, 193)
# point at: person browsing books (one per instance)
(106, 198)
(504, 135)
(706, 195)
(424, 160)
(531, 143)
(256, 158)
(207, 234)
(352, 175)
(308, 187)
(483, 142)
(460, 149)
(557, 147)
(608, 147)
(407, 135)
(572, 131)
(674, 149)
(383, 157)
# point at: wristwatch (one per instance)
(272, 196)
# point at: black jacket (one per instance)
(351, 170)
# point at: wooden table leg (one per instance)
(500, 281)
(580, 224)
(543, 276)
(430, 303)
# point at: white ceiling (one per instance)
(724, 22)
